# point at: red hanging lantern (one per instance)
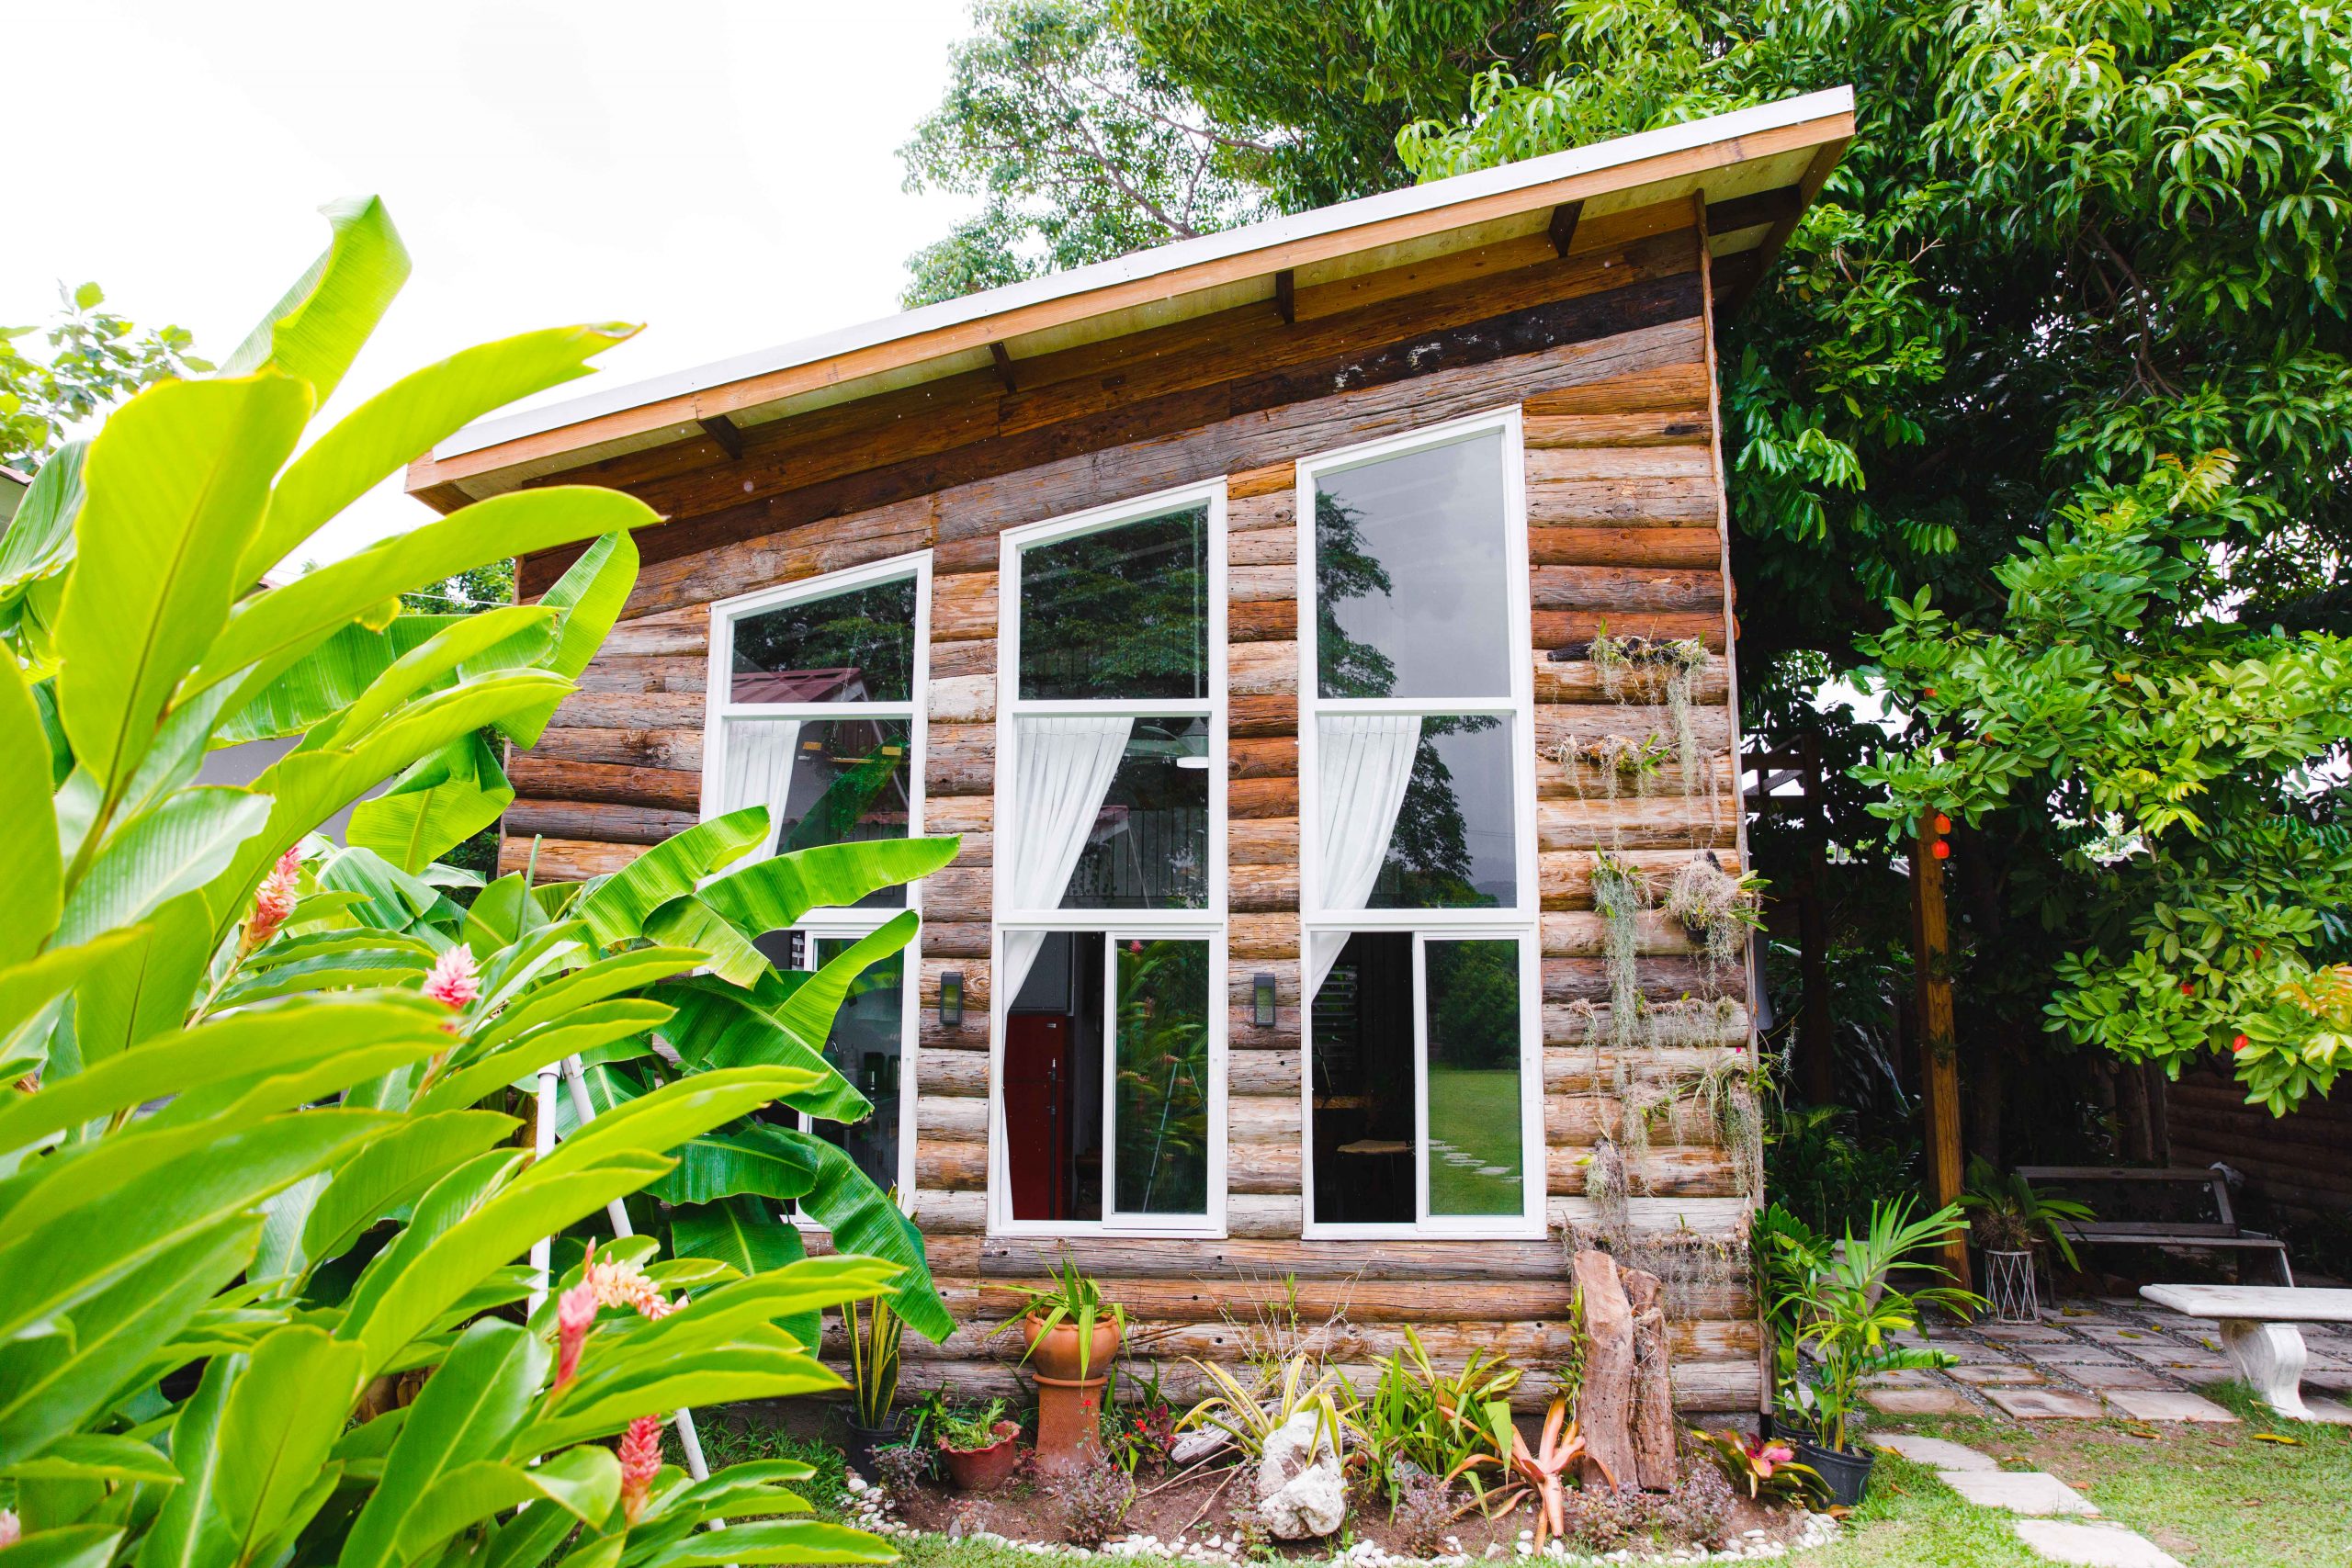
(1943, 823)
(1940, 849)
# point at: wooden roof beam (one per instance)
(1003, 358)
(1562, 230)
(721, 429)
(1286, 295)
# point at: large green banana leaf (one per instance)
(316, 330)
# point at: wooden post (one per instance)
(1939, 1065)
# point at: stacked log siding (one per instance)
(1605, 353)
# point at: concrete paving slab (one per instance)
(1973, 1354)
(2106, 1334)
(2143, 1405)
(1984, 1377)
(1919, 1401)
(2076, 1355)
(2092, 1546)
(2023, 1333)
(2329, 1412)
(2045, 1404)
(2127, 1377)
(1936, 1453)
(2035, 1493)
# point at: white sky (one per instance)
(724, 172)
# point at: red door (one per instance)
(1037, 1077)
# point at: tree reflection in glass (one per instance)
(1161, 1097)
(1122, 613)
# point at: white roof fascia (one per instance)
(1174, 257)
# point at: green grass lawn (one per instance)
(2214, 1496)
(1477, 1114)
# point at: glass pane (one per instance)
(1362, 1036)
(865, 1045)
(857, 645)
(1118, 613)
(1453, 846)
(1053, 1082)
(1161, 1102)
(1150, 843)
(1409, 575)
(1477, 1165)
(824, 781)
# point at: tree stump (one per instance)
(1654, 1433)
(1605, 1403)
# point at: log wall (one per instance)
(1605, 350)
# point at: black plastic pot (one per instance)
(1847, 1472)
(862, 1442)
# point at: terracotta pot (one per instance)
(984, 1469)
(1056, 1355)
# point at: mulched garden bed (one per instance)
(1195, 1516)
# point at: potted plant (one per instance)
(1072, 1333)
(978, 1443)
(1846, 1311)
(874, 1332)
(2010, 1222)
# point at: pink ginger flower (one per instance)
(453, 982)
(11, 1531)
(274, 901)
(625, 1285)
(575, 1314)
(640, 1461)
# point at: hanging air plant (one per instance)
(1621, 891)
(1716, 907)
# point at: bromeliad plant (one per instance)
(2006, 1213)
(1451, 1426)
(266, 1207)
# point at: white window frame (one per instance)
(1522, 920)
(850, 923)
(1207, 922)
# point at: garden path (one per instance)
(2092, 1358)
(2052, 1519)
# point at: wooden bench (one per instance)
(2258, 1325)
(2158, 1208)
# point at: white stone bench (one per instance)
(2258, 1329)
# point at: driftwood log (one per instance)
(1605, 1403)
(1654, 1429)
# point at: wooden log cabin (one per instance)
(1257, 609)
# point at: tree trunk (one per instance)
(1605, 1403)
(1654, 1427)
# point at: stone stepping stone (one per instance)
(2092, 1546)
(2146, 1406)
(1981, 1376)
(2023, 1333)
(2103, 1378)
(2072, 1354)
(1919, 1401)
(2045, 1404)
(2328, 1411)
(2035, 1492)
(1936, 1453)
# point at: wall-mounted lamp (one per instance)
(951, 999)
(1262, 987)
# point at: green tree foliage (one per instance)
(96, 358)
(262, 1168)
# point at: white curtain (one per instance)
(758, 772)
(1062, 772)
(1364, 762)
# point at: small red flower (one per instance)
(2187, 989)
(575, 1314)
(454, 982)
(2240, 1042)
(640, 1461)
(1926, 690)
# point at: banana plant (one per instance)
(265, 1205)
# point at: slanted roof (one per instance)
(1757, 169)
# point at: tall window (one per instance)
(1419, 907)
(815, 703)
(1109, 879)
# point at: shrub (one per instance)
(1093, 1505)
(1424, 1511)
